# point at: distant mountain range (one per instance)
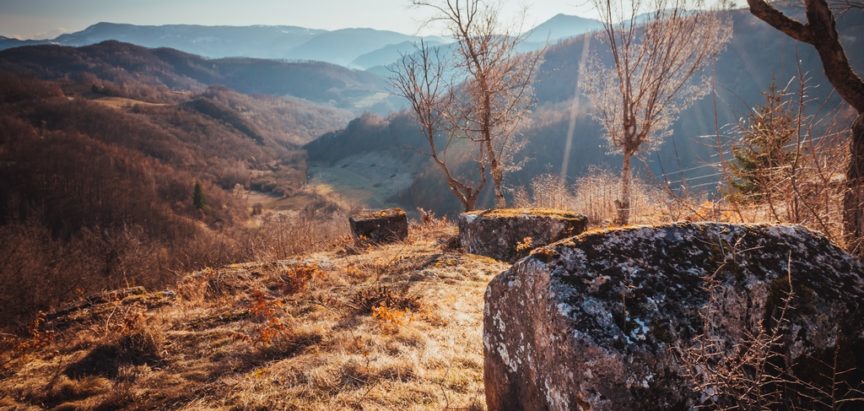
(351, 47)
(268, 42)
(125, 64)
(756, 55)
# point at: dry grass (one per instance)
(810, 194)
(594, 196)
(390, 327)
(125, 103)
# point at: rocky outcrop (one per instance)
(379, 226)
(649, 318)
(510, 234)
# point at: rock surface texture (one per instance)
(657, 318)
(379, 226)
(510, 234)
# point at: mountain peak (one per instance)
(561, 26)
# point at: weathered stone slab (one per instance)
(510, 234)
(379, 226)
(612, 320)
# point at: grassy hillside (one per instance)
(391, 327)
(382, 162)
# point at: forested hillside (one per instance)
(257, 41)
(98, 187)
(141, 72)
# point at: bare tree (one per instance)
(820, 31)
(495, 91)
(656, 71)
(420, 78)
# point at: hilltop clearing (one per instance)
(390, 327)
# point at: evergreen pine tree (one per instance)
(765, 146)
(198, 199)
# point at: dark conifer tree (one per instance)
(198, 197)
(765, 146)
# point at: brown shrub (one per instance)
(366, 300)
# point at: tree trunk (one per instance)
(470, 202)
(623, 203)
(495, 170)
(853, 212)
(498, 179)
(494, 165)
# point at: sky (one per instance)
(48, 18)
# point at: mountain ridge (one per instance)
(319, 82)
(342, 46)
(561, 26)
(284, 42)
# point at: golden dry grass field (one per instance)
(388, 327)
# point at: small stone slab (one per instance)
(379, 226)
(599, 321)
(511, 233)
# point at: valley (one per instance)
(314, 138)
(179, 219)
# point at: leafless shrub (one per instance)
(367, 299)
(133, 340)
(281, 236)
(747, 368)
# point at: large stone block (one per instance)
(379, 226)
(509, 234)
(655, 318)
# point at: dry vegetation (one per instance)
(594, 196)
(390, 327)
(787, 165)
(97, 196)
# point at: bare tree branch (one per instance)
(656, 72)
(488, 106)
(821, 32)
(420, 79)
(780, 21)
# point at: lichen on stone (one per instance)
(628, 298)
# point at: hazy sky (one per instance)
(47, 18)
